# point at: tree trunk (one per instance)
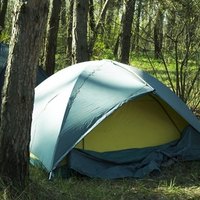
(127, 20)
(51, 40)
(171, 23)
(79, 33)
(3, 8)
(91, 14)
(137, 27)
(18, 92)
(63, 13)
(69, 32)
(158, 34)
(98, 25)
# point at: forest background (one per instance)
(161, 37)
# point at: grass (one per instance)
(180, 181)
(153, 66)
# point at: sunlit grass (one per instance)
(180, 181)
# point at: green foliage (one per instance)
(60, 57)
(5, 37)
(60, 61)
(101, 52)
(165, 70)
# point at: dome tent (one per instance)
(110, 120)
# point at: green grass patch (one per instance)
(180, 181)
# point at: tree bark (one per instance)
(158, 34)
(91, 14)
(63, 13)
(69, 32)
(18, 92)
(79, 32)
(51, 40)
(137, 27)
(127, 20)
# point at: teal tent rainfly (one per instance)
(109, 120)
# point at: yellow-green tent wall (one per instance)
(144, 122)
